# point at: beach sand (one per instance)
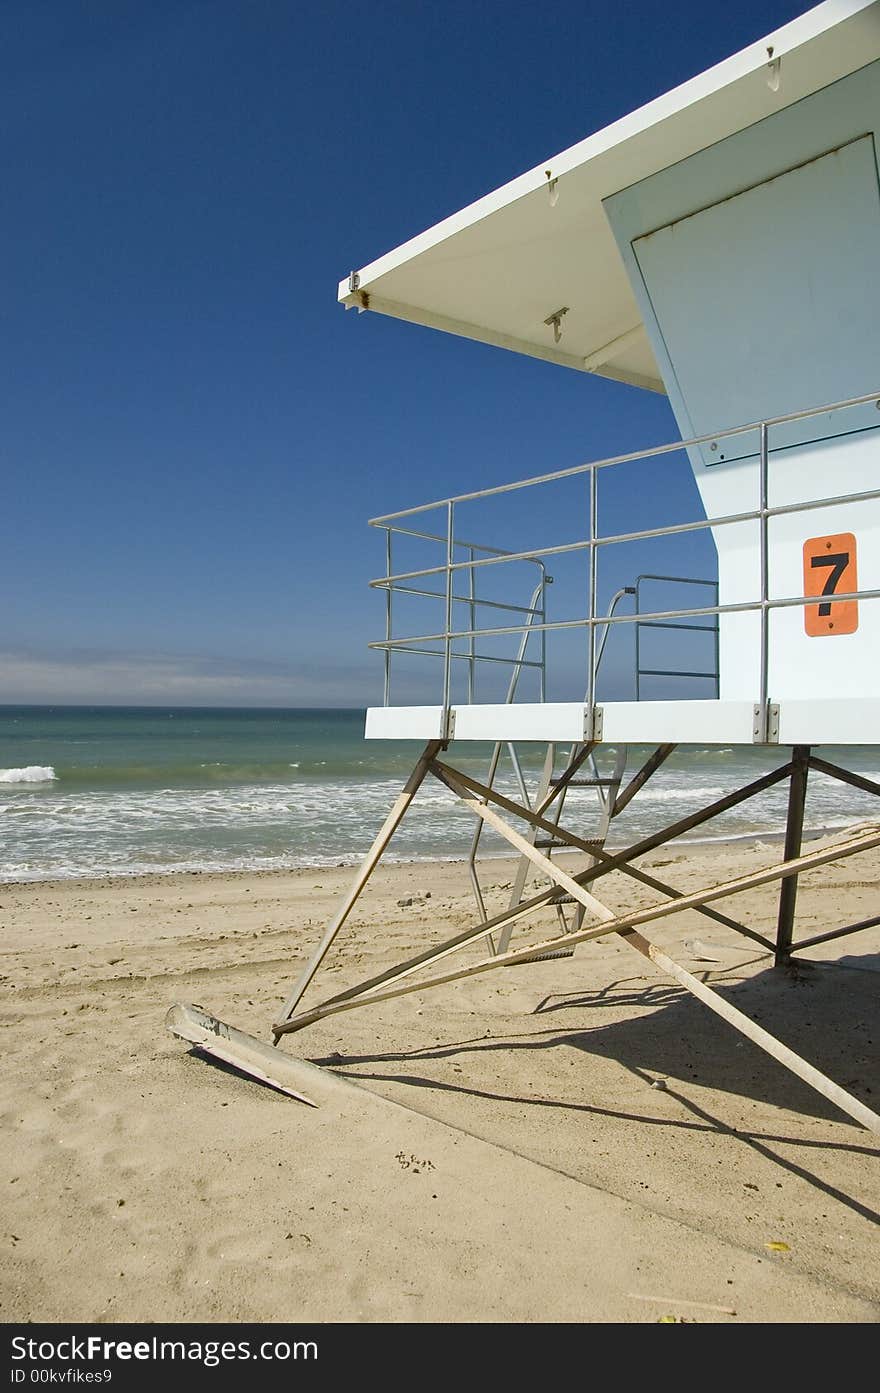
(502, 1153)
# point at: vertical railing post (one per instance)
(638, 629)
(472, 625)
(447, 642)
(591, 643)
(717, 645)
(542, 679)
(765, 583)
(388, 625)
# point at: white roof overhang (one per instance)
(500, 269)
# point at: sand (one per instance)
(494, 1150)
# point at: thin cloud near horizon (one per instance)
(106, 677)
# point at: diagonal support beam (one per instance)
(687, 824)
(638, 781)
(357, 996)
(368, 865)
(824, 766)
(598, 853)
(836, 933)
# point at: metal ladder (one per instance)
(607, 789)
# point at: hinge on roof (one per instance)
(554, 322)
(448, 726)
(593, 727)
(354, 288)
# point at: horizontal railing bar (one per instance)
(809, 504)
(699, 525)
(485, 633)
(693, 628)
(404, 646)
(677, 580)
(651, 453)
(669, 672)
(743, 607)
(463, 599)
(788, 601)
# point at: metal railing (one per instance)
(535, 611)
(537, 621)
(714, 674)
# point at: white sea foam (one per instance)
(30, 774)
(62, 830)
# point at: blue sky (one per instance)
(194, 433)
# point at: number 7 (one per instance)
(837, 563)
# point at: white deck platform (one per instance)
(853, 722)
(846, 722)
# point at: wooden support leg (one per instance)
(368, 865)
(625, 927)
(794, 829)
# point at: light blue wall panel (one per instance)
(837, 117)
(769, 301)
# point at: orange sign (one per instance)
(830, 569)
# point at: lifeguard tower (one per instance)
(721, 245)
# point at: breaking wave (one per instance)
(30, 774)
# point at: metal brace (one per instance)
(765, 730)
(593, 727)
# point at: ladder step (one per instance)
(585, 783)
(545, 843)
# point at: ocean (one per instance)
(108, 791)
